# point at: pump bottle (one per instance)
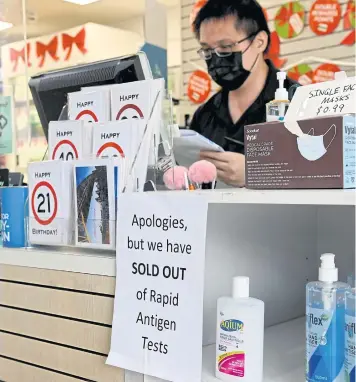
(239, 340)
(277, 109)
(350, 336)
(325, 321)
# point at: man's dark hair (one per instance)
(249, 16)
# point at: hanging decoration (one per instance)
(325, 72)
(50, 48)
(349, 21)
(290, 20)
(274, 51)
(199, 86)
(324, 16)
(196, 8)
(302, 73)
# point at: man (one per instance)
(234, 36)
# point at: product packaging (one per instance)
(350, 336)
(325, 323)
(14, 215)
(89, 106)
(69, 140)
(96, 188)
(51, 202)
(240, 333)
(140, 100)
(322, 157)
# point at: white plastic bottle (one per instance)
(325, 324)
(239, 340)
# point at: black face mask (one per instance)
(228, 72)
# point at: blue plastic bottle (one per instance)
(325, 322)
(350, 336)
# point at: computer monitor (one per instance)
(49, 90)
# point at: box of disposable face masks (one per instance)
(321, 155)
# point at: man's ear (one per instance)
(261, 41)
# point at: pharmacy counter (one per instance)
(55, 324)
(56, 304)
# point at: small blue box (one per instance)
(14, 215)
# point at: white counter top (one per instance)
(287, 197)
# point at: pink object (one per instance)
(176, 178)
(202, 172)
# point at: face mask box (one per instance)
(322, 158)
(89, 106)
(51, 202)
(69, 140)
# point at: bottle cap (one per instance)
(241, 287)
(281, 93)
(327, 271)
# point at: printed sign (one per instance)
(5, 125)
(325, 16)
(290, 20)
(44, 203)
(131, 101)
(115, 139)
(89, 106)
(69, 140)
(50, 202)
(325, 72)
(199, 86)
(326, 98)
(159, 285)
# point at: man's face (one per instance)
(223, 33)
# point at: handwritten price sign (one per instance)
(327, 98)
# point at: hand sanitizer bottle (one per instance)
(350, 336)
(325, 321)
(239, 339)
(277, 109)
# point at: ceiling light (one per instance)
(4, 25)
(81, 2)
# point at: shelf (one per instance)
(282, 197)
(284, 354)
(68, 259)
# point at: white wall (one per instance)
(300, 47)
(174, 48)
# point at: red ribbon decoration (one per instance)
(68, 42)
(274, 51)
(50, 48)
(15, 55)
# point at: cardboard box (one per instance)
(323, 157)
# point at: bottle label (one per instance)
(231, 354)
(350, 346)
(324, 339)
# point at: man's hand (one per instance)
(230, 166)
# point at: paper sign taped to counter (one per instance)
(330, 98)
(158, 310)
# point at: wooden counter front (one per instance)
(55, 326)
